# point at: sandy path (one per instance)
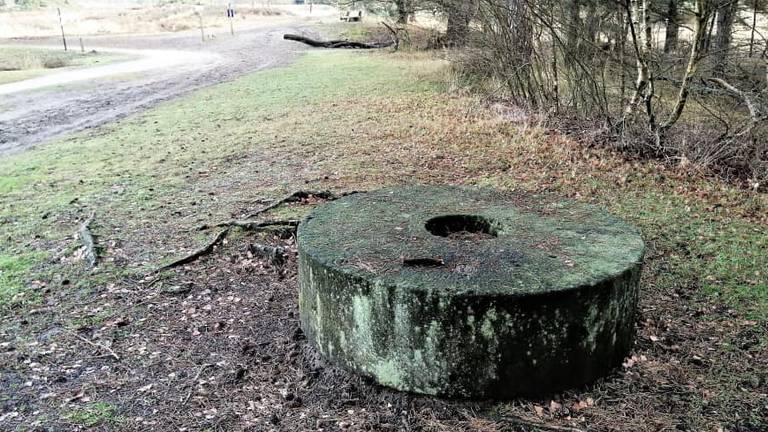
(150, 59)
(39, 109)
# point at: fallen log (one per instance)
(337, 43)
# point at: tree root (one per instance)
(298, 196)
(196, 254)
(337, 43)
(283, 227)
(86, 238)
(246, 225)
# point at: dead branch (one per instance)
(86, 238)
(96, 345)
(337, 43)
(294, 197)
(395, 35)
(283, 226)
(754, 111)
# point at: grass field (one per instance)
(342, 121)
(20, 63)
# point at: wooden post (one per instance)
(82, 47)
(202, 31)
(231, 16)
(61, 24)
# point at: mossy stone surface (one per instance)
(530, 297)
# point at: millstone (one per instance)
(465, 292)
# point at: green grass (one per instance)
(20, 63)
(94, 414)
(14, 269)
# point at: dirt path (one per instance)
(43, 108)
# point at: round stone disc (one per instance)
(468, 292)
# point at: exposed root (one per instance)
(246, 225)
(298, 196)
(86, 238)
(282, 227)
(198, 253)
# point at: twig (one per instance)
(96, 345)
(86, 238)
(194, 381)
(252, 225)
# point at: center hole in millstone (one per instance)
(462, 227)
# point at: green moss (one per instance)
(94, 414)
(14, 271)
(517, 323)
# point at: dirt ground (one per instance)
(31, 116)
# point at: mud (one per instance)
(30, 117)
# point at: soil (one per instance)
(34, 115)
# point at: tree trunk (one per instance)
(459, 16)
(641, 31)
(726, 15)
(403, 11)
(574, 26)
(673, 27)
(703, 13)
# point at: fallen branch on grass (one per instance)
(337, 43)
(86, 238)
